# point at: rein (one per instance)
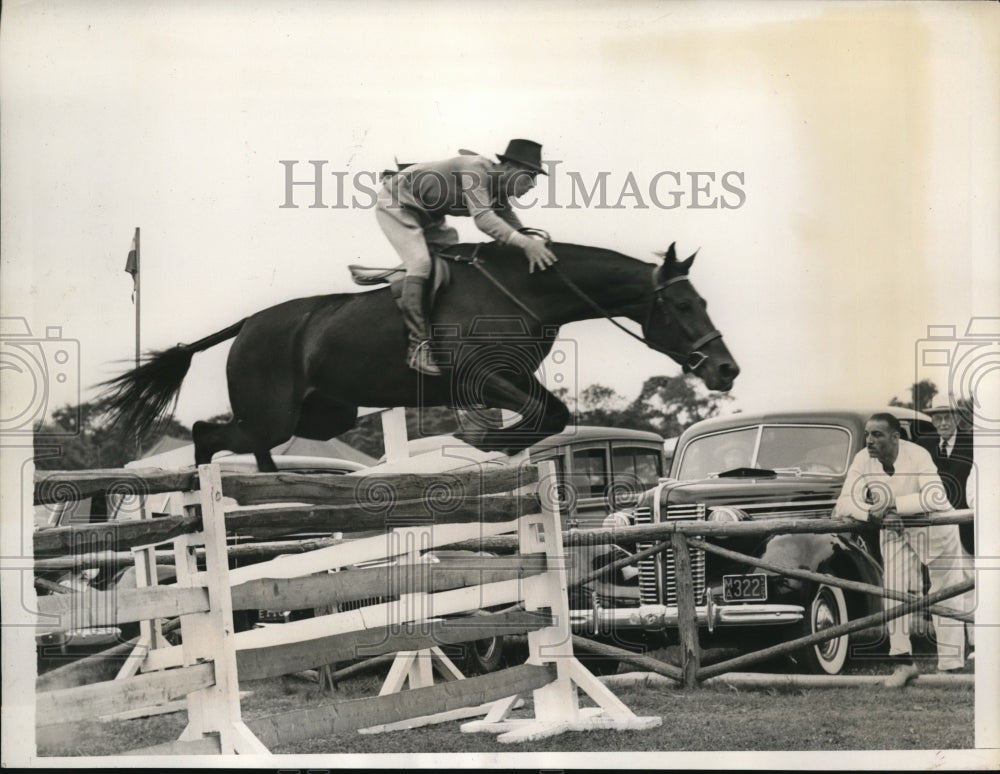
(695, 352)
(694, 359)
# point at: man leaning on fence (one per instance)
(889, 481)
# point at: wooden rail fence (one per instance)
(421, 607)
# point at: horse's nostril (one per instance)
(729, 370)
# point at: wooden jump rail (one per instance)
(432, 609)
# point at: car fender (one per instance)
(830, 554)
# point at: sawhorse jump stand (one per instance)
(556, 705)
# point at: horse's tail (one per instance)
(143, 398)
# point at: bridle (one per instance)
(691, 360)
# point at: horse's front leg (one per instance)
(542, 414)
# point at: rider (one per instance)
(414, 201)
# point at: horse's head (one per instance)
(679, 326)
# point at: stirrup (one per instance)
(419, 359)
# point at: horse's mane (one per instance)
(562, 249)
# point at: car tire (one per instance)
(481, 657)
(827, 608)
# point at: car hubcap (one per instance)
(826, 615)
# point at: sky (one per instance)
(840, 153)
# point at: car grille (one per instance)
(356, 604)
(659, 571)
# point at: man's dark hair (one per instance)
(889, 419)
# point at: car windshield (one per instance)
(796, 449)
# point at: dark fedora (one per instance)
(525, 153)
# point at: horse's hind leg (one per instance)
(542, 414)
(232, 436)
(321, 418)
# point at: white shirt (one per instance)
(915, 484)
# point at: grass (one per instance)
(709, 718)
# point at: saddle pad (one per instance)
(367, 276)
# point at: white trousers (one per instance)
(411, 239)
(940, 550)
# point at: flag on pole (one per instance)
(132, 264)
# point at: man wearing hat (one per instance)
(952, 453)
(890, 481)
(411, 210)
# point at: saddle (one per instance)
(368, 276)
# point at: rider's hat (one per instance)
(941, 408)
(526, 153)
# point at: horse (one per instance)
(304, 366)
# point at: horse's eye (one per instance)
(683, 306)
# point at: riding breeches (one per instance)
(412, 239)
(939, 549)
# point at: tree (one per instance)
(670, 404)
(922, 395)
(81, 437)
(665, 405)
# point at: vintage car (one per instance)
(750, 467)
(598, 469)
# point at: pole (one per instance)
(138, 303)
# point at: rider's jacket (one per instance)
(464, 186)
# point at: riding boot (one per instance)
(414, 306)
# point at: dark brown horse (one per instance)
(304, 367)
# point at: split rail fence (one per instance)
(423, 605)
(681, 536)
(429, 607)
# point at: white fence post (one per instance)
(557, 707)
(209, 636)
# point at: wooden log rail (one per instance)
(372, 490)
(875, 619)
(92, 609)
(108, 698)
(273, 661)
(345, 504)
(758, 527)
(643, 533)
(864, 588)
(268, 522)
(297, 725)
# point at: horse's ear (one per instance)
(669, 259)
(685, 266)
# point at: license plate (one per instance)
(744, 588)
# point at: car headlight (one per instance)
(617, 519)
(726, 513)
